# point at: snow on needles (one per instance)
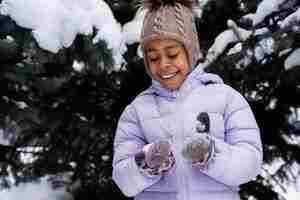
(132, 29)
(265, 8)
(293, 18)
(293, 60)
(223, 40)
(3, 138)
(35, 191)
(56, 23)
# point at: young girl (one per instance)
(188, 136)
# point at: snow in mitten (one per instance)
(155, 158)
(199, 147)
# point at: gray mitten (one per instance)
(199, 147)
(157, 154)
(155, 158)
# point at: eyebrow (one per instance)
(167, 47)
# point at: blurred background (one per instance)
(68, 68)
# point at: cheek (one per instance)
(185, 69)
(152, 68)
(184, 64)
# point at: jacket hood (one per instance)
(195, 78)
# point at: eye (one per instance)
(153, 59)
(152, 56)
(173, 55)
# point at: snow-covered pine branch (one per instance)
(56, 23)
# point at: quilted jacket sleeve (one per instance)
(238, 158)
(128, 142)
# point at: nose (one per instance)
(165, 63)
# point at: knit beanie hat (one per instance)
(171, 19)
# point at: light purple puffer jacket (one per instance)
(158, 114)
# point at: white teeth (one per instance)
(169, 75)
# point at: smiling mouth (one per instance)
(169, 76)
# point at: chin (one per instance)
(172, 88)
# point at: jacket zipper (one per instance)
(182, 175)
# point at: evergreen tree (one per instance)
(65, 118)
(61, 118)
(259, 71)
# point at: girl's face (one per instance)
(168, 62)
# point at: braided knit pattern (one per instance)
(179, 19)
(158, 23)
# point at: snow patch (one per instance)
(292, 60)
(132, 30)
(56, 23)
(35, 191)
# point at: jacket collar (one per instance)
(195, 78)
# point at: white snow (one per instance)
(35, 191)
(222, 41)
(294, 117)
(105, 157)
(289, 190)
(21, 104)
(139, 52)
(199, 9)
(264, 9)
(236, 34)
(132, 29)
(56, 23)
(242, 5)
(233, 26)
(78, 66)
(291, 19)
(272, 104)
(237, 48)
(285, 51)
(3, 138)
(263, 48)
(292, 60)
(27, 154)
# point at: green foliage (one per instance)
(273, 93)
(65, 119)
(56, 119)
